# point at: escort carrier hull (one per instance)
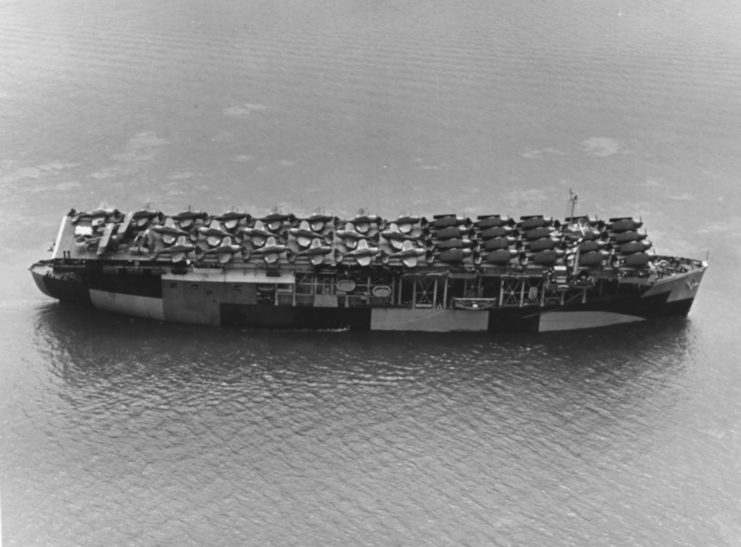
(446, 273)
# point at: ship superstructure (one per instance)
(410, 273)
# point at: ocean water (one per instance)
(117, 431)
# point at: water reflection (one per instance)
(103, 355)
(256, 426)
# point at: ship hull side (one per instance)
(128, 304)
(514, 320)
(292, 317)
(225, 301)
(655, 303)
(576, 319)
(428, 320)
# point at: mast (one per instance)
(572, 203)
(572, 208)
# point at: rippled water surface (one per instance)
(126, 432)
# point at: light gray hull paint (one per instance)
(138, 306)
(428, 320)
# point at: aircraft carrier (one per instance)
(446, 272)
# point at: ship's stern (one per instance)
(40, 272)
(66, 286)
